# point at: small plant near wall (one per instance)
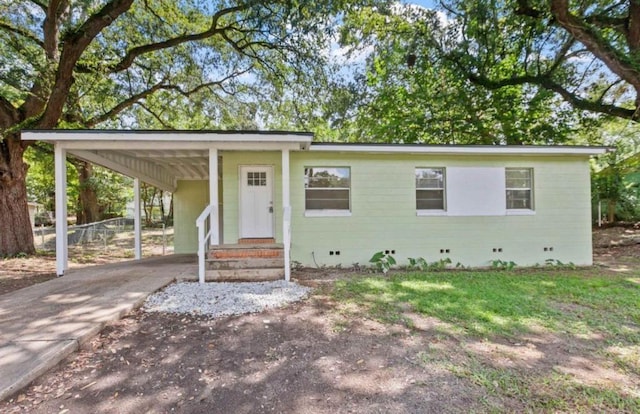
(382, 262)
(421, 264)
(296, 266)
(418, 263)
(502, 264)
(558, 264)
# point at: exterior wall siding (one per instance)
(383, 214)
(189, 199)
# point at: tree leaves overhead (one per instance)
(585, 52)
(85, 62)
(414, 91)
(128, 63)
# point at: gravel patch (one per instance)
(224, 299)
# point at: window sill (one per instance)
(327, 213)
(522, 212)
(420, 213)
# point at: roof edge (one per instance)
(447, 149)
(168, 131)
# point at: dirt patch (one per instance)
(288, 360)
(617, 247)
(19, 273)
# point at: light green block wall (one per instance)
(231, 162)
(189, 199)
(384, 216)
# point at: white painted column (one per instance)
(62, 250)
(137, 220)
(286, 206)
(213, 196)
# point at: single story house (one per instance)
(330, 204)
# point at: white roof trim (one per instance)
(175, 145)
(178, 138)
(463, 150)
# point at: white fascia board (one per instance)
(159, 180)
(301, 141)
(462, 150)
(176, 145)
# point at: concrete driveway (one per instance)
(44, 323)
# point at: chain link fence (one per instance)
(116, 234)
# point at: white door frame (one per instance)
(270, 175)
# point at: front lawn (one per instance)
(551, 339)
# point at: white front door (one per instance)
(256, 201)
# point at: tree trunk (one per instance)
(87, 194)
(16, 235)
(149, 194)
(611, 211)
(169, 218)
(161, 198)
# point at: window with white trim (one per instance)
(430, 189)
(519, 186)
(327, 188)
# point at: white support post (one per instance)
(137, 218)
(213, 196)
(286, 222)
(62, 251)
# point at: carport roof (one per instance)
(161, 158)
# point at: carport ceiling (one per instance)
(166, 166)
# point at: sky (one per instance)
(429, 4)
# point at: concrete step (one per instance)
(245, 263)
(244, 275)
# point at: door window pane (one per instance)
(258, 178)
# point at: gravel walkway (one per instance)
(224, 299)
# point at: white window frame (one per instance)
(432, 211)
(327, 212)
(520, 211)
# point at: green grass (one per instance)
(597, 316)
(507, 303)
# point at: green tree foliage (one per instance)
(585, 52)
(412, 91)
(616, 175)
(92, 64)
(113, 190)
